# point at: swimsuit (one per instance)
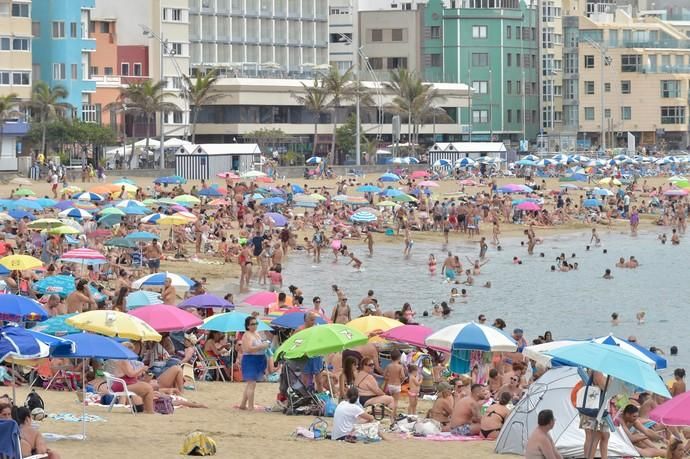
(486, 433)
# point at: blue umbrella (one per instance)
(158, 280)
(17, 308)
(16, 342)
(591, 203)
(635, 349)
(120, 242)
(278, 219)
(442, 163)
(613, 361)
(230, 322)
(170, 180)
(64, 205)
(525, 162)
(62, 285)
(297, 189)
(31, 204)
(141, 236)
(210, 192)
(206, 300)
(368, 189)
(57, 325)
(272, 201)
(109, 221)
(46, 202)
(142, 298)
(293, 320)
(314, 160)
(93, 346)
(392, 192)
(124, 180)
(19, 214)
(135, 210)
(388, 177)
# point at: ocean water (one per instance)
(574, 304)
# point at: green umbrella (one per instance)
(403, 198)
(167, 201)
(120, 242)
(150, 202)
(24, 192)
(320, 340)
(112, 211)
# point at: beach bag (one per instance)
(329, 407)
(319, 428)
(368, 432)
(33, 401)
(198, 444)
(163, 405)
(427, 427)
(588, 400)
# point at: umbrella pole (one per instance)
(14, 385)
(83, 400)
(592, 450)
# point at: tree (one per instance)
(314, 99)
(120, 106)
(45, 106)
(340, 88)
(8, 111)
(199, 92)
(145, 99)
(346, 135)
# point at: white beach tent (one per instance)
(552, 391)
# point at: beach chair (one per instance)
(10, 445)
(109, 381)
(188, 375)
(206, 364)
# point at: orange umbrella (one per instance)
(105, 188)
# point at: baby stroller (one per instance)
(300, 399)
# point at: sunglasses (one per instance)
(253, 323)
(317, 301)
(370, 365)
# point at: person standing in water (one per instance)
(370, 242)
(483, 247)
(408, 242)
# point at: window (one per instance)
(509, 59)
(20, 10)
(175, 14)
(177, 117)
(397, 34)
(589, 62)
(74, 71)
(479, 31)
(480, 116)
(107, 71)
(435, 32)
(58, 71)
(509, 33)
(73, 30)
(397, 63)
(589, 113)
(104, 27)
(21, 78)
(670, 89)
(625, 86)
(480, 87)
(58, 29)
(21, 44)
(607, 113)
(5, 78)
(480, 59)
(626, 113)
(509, 87)
(518, 87)
(93, 70)
(376, 63)
(518, 59)
(137, 69)
(4, 44)
(607, 87)
(36, 29)
(672, 115)
(175, 49)
(376, 34)
(631, 63)
(518, 32)
(518, 115)
(436, 60)
(509, 115)
(124, 69)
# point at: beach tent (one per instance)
(207, 160)
(552, 391)
(455, 151)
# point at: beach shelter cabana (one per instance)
(552, 391)
(453, 151)
(205, 161)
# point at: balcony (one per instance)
(666, 69)
(658, 44)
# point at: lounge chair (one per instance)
(205, 364)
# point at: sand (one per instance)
(238, 433)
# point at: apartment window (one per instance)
(480, 87)
(107, 71)
(626, 113)
(21, 78)
(509, 31)
(509, 59)
(36, 29)
(480, 116)
(480, 59)
(58, 71)
(376, 34)
(174, 14)
(93, 70)
(397, 63)
(104, 27)
(589, 62)
(589, 113)
(397, 34)
(518, 87)
(625, 87)
(20, 10)
(589, 88)
(509, 115)
(74, 71)
(607, 113)
(518, 59)
(5, 44)
(73, 30)
(175, 49)
(137, 69)
(518, 32)
(509, 87)
(21, 44)
(5, 77)
(436, 60)
(479, 31)
(670, 89)
(376, 63)
(435, 32)
(672, 115)
(607, 87)
(124, 69)
(518, 115)
(631, 63)
(58, 29)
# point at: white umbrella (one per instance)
(472, 336)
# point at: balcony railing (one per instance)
(666, 69)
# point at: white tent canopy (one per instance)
(175, 142)
(469, 147)
(153, 143)
(552, 391)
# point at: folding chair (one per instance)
(188, 375)
(109, 381)
(10, 444)
(206, 364)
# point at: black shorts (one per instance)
(154, 264)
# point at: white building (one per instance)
(205, 161)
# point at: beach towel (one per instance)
(47, 436)
(445, 436)
(69, 417)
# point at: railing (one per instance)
(665, 44)
(666, 69)
(112, 79)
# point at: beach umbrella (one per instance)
(56, 325)
(62, 285)
(171, 180)
(373, 324)
(363, 217)
(419, 174)
(320, 340)
(591, 203)
(104, 189)
(253, 174)
(531, 157)
(166, 201)
(23, 192)
(677, 178)
(404, 198)
(428, 183)
(560, 157)
(634, 349)
(129, 202)
(75, 212)
(314, 160)
(205, 301)
(546, 162)
(186, 199)
(135, 210)
(569, 186)
(465, 162)
(88, 196)
(46, 202)
(16, 308)
(386, 204)
(394, 161)
(158, 280)
(5, 217)
(673, 412)
(124, 181)
(20, 262)
(210, 192)
(19, 214)
(62, 205)
(442, 163)
(410, 334)
(368, 189)
(277, 219)
(120, 242)
(410, 160)
(83, 254)
(219, 202)
(471, 336)
(173, 220)
(139, 236)
(297, 189)
(514, 188)
(25, 204)
(142, 298)
(294, 320)
(45, 223)
(64, 229)
(390, 192)
(230, 322)
(528, 206)
(272, 201)
(525, 162)
(538, 352)
(111, 211)
(389, 177)
(609, 180)
(166, 318)
(467, 182)
(228, 175)
(614, 362)
(602, 192)
(261, 299)
(114, 323)
(675, 193)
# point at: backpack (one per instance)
(33, 401)
(198, 444)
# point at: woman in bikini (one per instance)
(347, 376)
(369, 391)
(494, 417)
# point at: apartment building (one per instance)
(341, 37)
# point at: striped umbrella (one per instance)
(88, 196)
(158, 280)
(130, 202)
(465, 162)
(471, 336)
(153, 218)
(442, 163)
(74, 212)
(83, 254)
(363, 217)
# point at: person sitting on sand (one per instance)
(494, 417)
(347, 414)
(640, 436)
(32, 441)
(465, 418)
(442, 408)
(369, 391)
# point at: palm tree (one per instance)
(340, 88)
(45, 106)
(8, 111)
(120, 106)
(145, 99)
(199, 92)
(314, 99)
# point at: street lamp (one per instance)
(164, 48)
(355, 66)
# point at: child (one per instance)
(432, 264)
(356, 262)
(640, 317)
(414, 384)
(276, 278)
(393, 377)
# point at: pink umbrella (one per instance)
(179, 208)
(468, 182)
(419, 174)
(410, 334)
(429, 183)
(83, 254)
(261, 299)
(676, 193)
(674, 412)
(528, 205)
(166, 318)
(230, 175)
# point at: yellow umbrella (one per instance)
(386, 204)
(114, 323)
(45, 223)
(72, 189)
(20, 262)
(128, 188)
(317, 197)
(607, 180)
(64, 229)
(172, 220)
(371, 324)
